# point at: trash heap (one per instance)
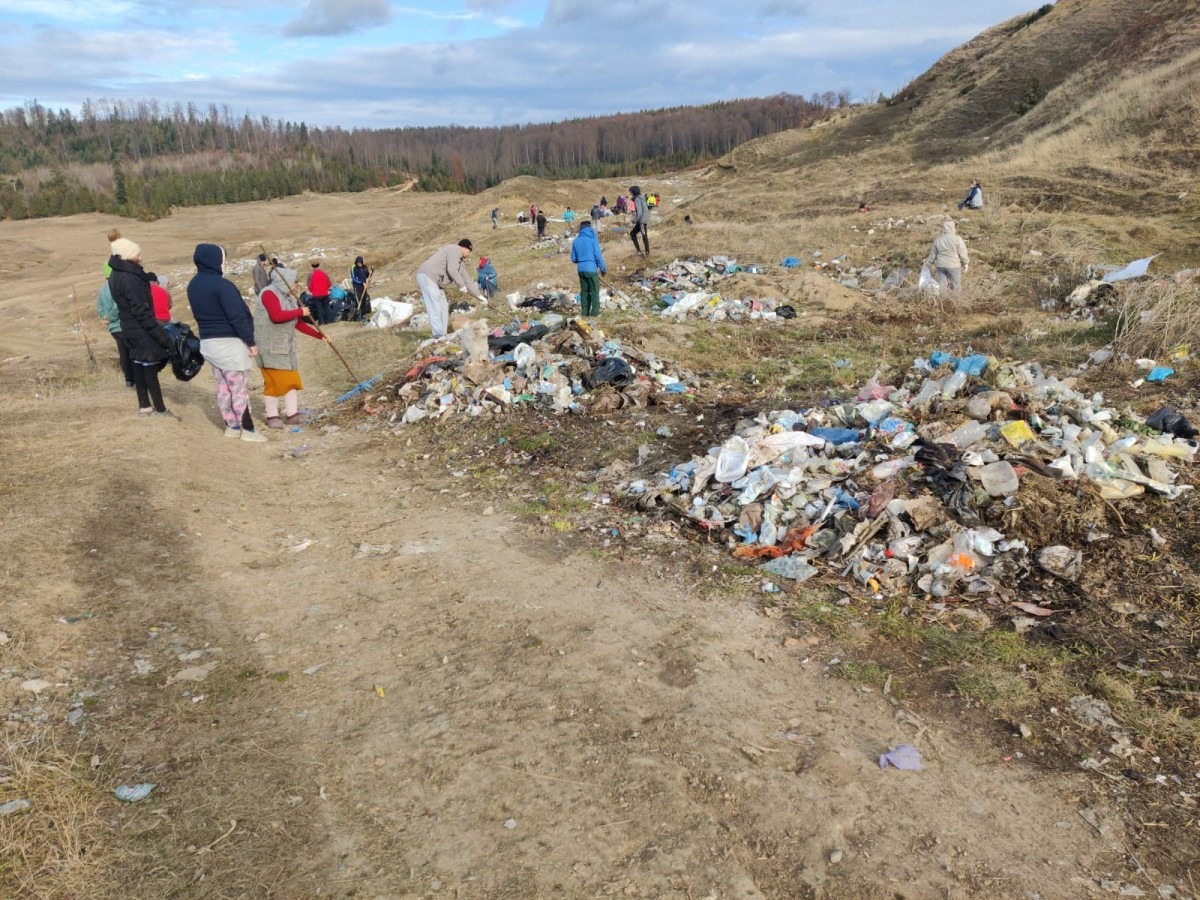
(554, 364)
(715, 308)
(689, 292)
(904, 487)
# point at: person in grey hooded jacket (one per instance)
(948, 257)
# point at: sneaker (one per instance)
(149, 410)
(232, 431)
(274, 422)
(164, 414)
(254, 436)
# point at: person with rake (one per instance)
(277, 318)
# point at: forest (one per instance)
(142, 158)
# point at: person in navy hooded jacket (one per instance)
(227, 342)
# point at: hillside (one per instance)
(142, 160)
(489, 630)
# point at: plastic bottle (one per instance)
(891, 467)
(953, 384)
(967, 434)
(999, 479)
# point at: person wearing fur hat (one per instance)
(948, 257)
(226, 339)
(148, 343)
(277, 318)
(641, 220)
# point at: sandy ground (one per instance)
(403, 689)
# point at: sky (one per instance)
(379, 63)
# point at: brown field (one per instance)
(434, 664)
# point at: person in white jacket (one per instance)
(948, 257)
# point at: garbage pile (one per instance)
(905, 487)
(715, 308)
(556, 364)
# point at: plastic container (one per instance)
(731, 462)
(953, 384)
(967, 434)
(892, 467)
(999, 479)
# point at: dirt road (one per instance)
(353, 670)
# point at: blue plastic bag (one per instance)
(1160, 373)
(790, 263)
(837, 435)
(972, 365)
(940, 358)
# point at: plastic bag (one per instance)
(927, 282)
(186, 359)
(1168, 421)
(612, 370)
(731, 462)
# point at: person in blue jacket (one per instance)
(486, 277)
(974, 198)
(589, 262)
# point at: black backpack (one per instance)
(186, 361)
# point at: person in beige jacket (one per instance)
(437, 273)
(948, 257)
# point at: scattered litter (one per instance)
(143, 666)
(1135, 269)
(302, 546)
(196, 673)
(1159, 374)
(135, 793)
(73, 620)
(313, 670)
(364, 550)
(899, 487)
(510, 824)
(13, 806)
(36, 685)
(379, 692)
(905, 757)
(555, 364)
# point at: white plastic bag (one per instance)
(388, 313)
(731, 463)
(927, 282)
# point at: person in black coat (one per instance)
(148, 343)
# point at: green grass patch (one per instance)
(864, 673)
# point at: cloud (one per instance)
(334, 17)
(571, 59)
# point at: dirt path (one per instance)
(491, 711)
(351, 670)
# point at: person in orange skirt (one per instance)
(277, 318)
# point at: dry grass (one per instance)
(1155, 318)
(55, 849)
